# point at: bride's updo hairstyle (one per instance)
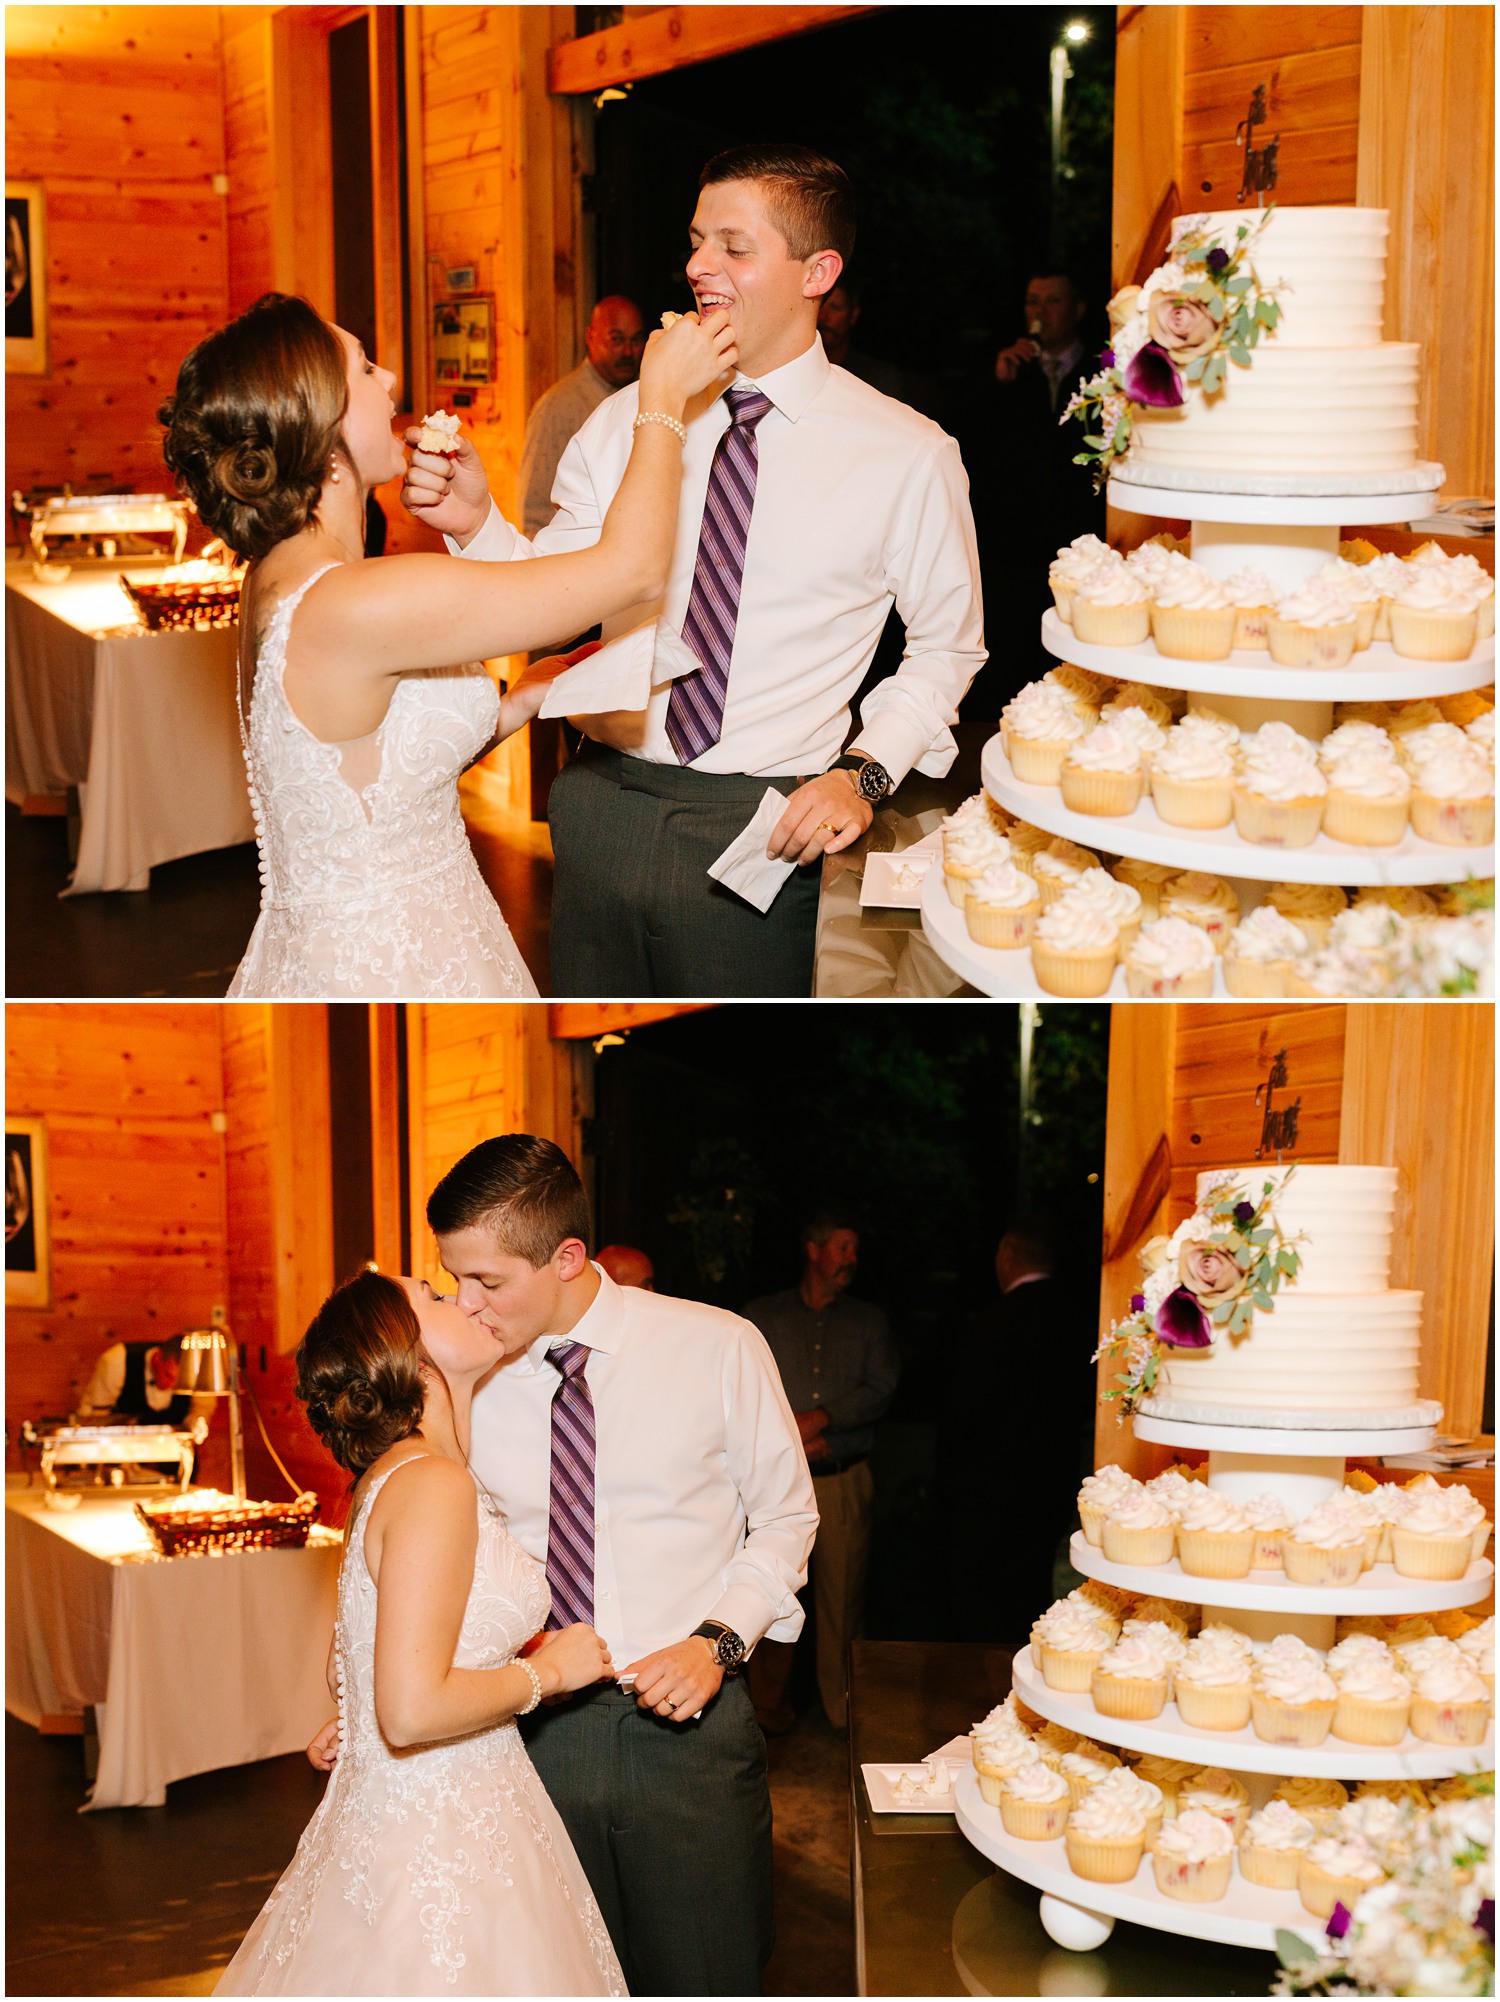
(358, 1370)
(253, 425)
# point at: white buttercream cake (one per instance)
(1324, 392)
(1338, 1339)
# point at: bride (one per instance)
(436, 1864)
(366, 696)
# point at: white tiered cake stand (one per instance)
(1289, 528)
(1243, 1459)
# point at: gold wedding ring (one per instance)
(828, 826)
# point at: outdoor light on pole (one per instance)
(1075, 33)
(1030, 1015)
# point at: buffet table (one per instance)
(188, 1663)
(142, 724)
(931, 1916)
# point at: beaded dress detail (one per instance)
(443, 1869)
(374, 892)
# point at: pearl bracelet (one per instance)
(536, 1687)
(660, 417)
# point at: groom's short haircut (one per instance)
(808, 197)
(522, 1190)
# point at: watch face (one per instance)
(873, 781)
(730, 1650)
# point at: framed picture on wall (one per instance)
(26, 279)
(28, 1237)
(463, 339)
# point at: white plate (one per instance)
(882, 884)
(880, 1784)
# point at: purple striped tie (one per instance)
(695, 711)
(570, 1529)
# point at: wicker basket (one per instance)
(180, 1532)
(185, 607)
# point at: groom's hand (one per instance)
(324, 1749)
(676, 1682)
(450, 495)
(821, 817)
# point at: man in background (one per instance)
(839, 1368)
(614, 344)
(838, 316)
(627, 1266)
(136, 1382)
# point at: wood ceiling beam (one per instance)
(671, 38)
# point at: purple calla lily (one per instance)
(1107, 359)
(1137, 1303)
(1484, 1919)
(1151, 378)
(1338, 1923)
(1181, 1322)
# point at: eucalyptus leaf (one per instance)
(1241, 282)
(1264, 1301)
(1096, 442)
(1195, 368)
(1239, 354)
(1292, 1949)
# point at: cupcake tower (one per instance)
(1307, 1678)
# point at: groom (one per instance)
(643, 1448)
(810, 505)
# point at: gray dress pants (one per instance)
(672, 1824)
(634, 910)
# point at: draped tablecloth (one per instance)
(143, 724)
(189, 1663)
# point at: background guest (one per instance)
(136, 1381)
(613, 344)
(839, 1368)
(627, 1266)
(838, 316)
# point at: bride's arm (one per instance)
(421, 1541)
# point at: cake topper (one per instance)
(1278, 1128)
(1260, 167)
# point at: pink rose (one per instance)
(1211, 1275)
(1183, 327)
(1123, 305)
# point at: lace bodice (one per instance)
(370, 890)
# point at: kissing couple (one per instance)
(739, 524)
(576, 1508)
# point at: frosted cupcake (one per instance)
(1106, 1838)
(1171, 960)
(1211, 1687)
(1041, 726)
(1103, 773)
(1369, 738)
(1084, 1767)
(1368, 802)
(1035, 1803)
(1314, 627)
(1001, 907)
(1087, 689)
(998, 1756)
(1214, 1536)
(1374, 1701)
(1413, 746)
(1192, 780)
(439, 434)
(1118, 900)
(1134, 699)
(1059, 867)
(1390, 575)
(1139, 1529)
(1336, 1870)
(1067, 1645)
(1132, 1680)
(1453, 799)
(1279, 797)
(1193, 1857)
(1257, 963)
(1253, 596)
(1273, 1844)
(1148, 879)
(1432, 619)
(1324, 1549)
(1429, 1540)
(1387, 1825)
(1100, 1490)
(969, 848)
(1203, 900)
(1317, 1799)
(1292, 1701)
(1481, 734)
(1478, 1649)
(1192, 616)
(1167, 1776)
(1085, 553)
(1208, 722)
(1137, 1792)
(1111, 607)
(1312, 907)
(1026, 843)
(1218, 1793)
(1354, 583)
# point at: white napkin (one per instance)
(745, 867)
(621, 674)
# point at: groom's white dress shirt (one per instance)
(860, 503)
(704, 1506)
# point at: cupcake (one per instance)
(1315, 1798)
(1083, 554)
(1292, 1701)
(1203, 900)
(1432, 619)
(1134, 701)
(1368, 801)
(1074, 949)
(1257, 963)
(999, 1756)
(1088, 690)
(1453, 799)
(1148, 879)
(1314, 627)
(1211, 1687)
(1481, 734)
(1131, 1680)
(1360, 588)
(1106, 1838)
(1324, 1548)
(1208, 722)
(1214, 1537)
(1142, 729)
(1026, 843)
(1035, 1803)
(1001, 906)
(1138, 1792)
(1171, 960)
(1366, 738)
(1336, 1870)
(1095, 1498)
(1084, 1767)
(1059, 866)
(1428, 1540)
(1218, 1793)
(1039, 729)
(970, 847)
(1413, 747)
(1167, 1776)
(1192, 616)
(1312, 907)
(1369, 954)
(1253, 596)
(1139, 1529)
(1103, 773)
(1388, 1825)
(1478, 1649)
(1273, 1844)
(1390, 575)
(1118, 900)
(1067, 1645)
(1111, 607)
(1192, 780)
(1279, 797)
(1270, 1518)
(1148, 1612)
(1471, 581)
(1193, 1856)
(1374, 1701)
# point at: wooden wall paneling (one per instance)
(301, 156)
(420, 303)
(385, 1137)
(1142, 1044)
(1309, 60)
(658, 39)
(1426, 153)
(424, 1258)
(301, 1178)
(247, 150)
(599, 1018)
(385, 167)
(1150, 46)
(1419, 1096)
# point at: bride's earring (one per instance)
(333, 471)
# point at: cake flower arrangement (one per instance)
(1203, 309)
(1205, 1281)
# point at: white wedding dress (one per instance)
(443, 1870)
(371, 893)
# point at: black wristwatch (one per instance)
(729, 1649)
(871, 779)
